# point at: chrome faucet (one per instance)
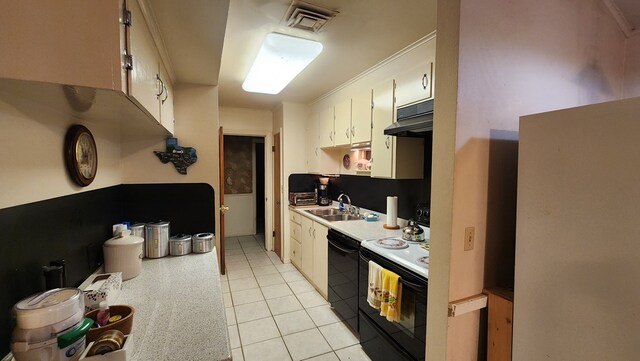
(341, 206)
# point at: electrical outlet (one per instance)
(469, 238)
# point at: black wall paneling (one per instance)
(370, 193)
(74, 227)
(189, 207)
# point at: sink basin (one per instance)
(341, 217)
(325, 212)
(333, 214)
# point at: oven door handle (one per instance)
(411, 285)
(347, 251)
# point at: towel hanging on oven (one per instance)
(391, 295)
(374, 291)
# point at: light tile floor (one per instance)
(274, 313)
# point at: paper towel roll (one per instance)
(392, 211)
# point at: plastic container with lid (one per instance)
(124, 254)
(50, 326)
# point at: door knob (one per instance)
(223, 209)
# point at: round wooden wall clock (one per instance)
(81, 155)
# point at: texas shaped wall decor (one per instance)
(181, 157)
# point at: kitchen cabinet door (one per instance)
(416, 83)
(326, 127)
(361, 117)
(382, 117)
(343, 123)
(166, 101)
(307, 247)
(392, 157)
(321, 259)
(144, 83)
(295, 253)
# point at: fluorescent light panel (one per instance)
(280, 59)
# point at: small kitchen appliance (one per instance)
(323, 192)
(156, 239)
(302, 198)
(123, 254)
(137, 229)
(50, 326)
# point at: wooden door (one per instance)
(277, 208)
(223, 208)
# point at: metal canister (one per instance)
(180, 245)
(137, 229)
(202, 242)
(156, 239)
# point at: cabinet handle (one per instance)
(316, 151)
(161, 86)
(331, 136)
(314, 233)
(309, 231)
(166, 94)
(353, 130)
(386, 142)
(425, 81)
(346, 133)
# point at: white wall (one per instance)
(578, 255)
(33, 167)
(238, 220)
(515, 58)
(293, 140)
(196, 114)
(632, 68)
(250, 122)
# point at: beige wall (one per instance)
(515, 58)
(33, 167)
(251, 122)
(293, 140)
(196, 114)
(632, 68)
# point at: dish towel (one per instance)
(374, 292)
(391, 296)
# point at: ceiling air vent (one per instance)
(309, 17)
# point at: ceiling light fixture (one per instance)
(280, 59)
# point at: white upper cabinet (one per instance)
(417, 82)
(343, 123)
(145, 85)
(326, 128)
(166, 101)
(94, 44)
(361, 107)
(382, 145)
(392, 157)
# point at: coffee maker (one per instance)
(323, 192)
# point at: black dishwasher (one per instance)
(343, 277)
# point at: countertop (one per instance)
(179, 309)
(360, 229)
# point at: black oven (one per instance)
(385, 340)
(343, 277)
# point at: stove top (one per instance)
(414, 257)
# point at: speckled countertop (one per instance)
(179, 309)
(180, 312)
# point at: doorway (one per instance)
(244, 188)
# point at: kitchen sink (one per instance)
(341, 217)
(325, 212)
(333, 214)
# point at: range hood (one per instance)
(412, 120)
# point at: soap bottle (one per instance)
(103, 315)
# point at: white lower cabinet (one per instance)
(309, 251)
